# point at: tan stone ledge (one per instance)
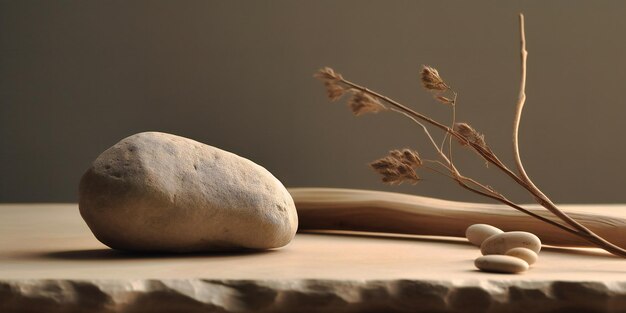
(50, 262)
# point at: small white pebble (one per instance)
(477, 233)
(501, 264)
(501, 243)
(525, 254)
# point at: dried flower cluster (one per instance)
(469, 135)
(431, 79)
(332, 81)
(360, 102)
(401, 165)
(433, 82)
(398, 167)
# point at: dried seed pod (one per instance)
(470, 135)
(431, 79)
(361, 103)
(334, 91)
(398, 167)
(332, 82)
(444, 100)
(326, 74)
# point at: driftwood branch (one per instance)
(386, 212)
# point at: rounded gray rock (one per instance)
(160, 192)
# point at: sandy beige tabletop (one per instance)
(48, 254)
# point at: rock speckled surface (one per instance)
(160, 192)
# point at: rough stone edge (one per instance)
(309, 295)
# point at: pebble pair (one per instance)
(503, 252)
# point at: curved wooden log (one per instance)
(387, 212)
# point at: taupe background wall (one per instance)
(77, 76)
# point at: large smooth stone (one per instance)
(160, 192)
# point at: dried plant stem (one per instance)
(366, 100)
(541, 197)
(445, 136)
(456, 175)
(490, 193)
(520, 105)
(453, 122)
(484, 152)
(488, 155)
(400, 107)
(416, 116)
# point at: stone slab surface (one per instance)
(50, 262)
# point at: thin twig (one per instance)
(540, 196)
(438, 162)
(453, 105)
(521, 100)
(452, 126)
(519, 208)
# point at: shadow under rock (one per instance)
(110, 254)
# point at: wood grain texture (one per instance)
(377, 211)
